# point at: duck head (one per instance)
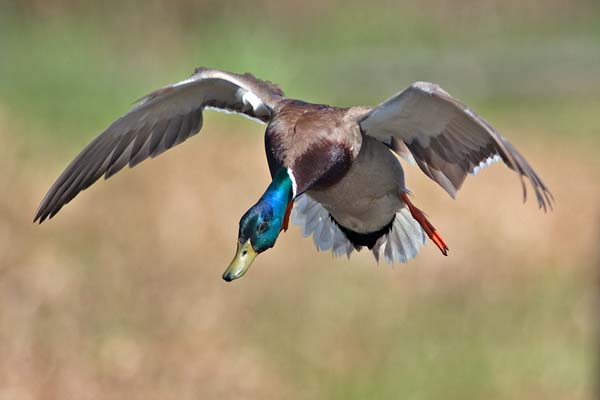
(261, 224)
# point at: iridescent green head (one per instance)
(261, 224)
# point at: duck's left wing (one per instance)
(446, 139)
(159, 121)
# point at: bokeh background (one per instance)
(121, 297)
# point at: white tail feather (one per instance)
(315, 221)
(400, 244)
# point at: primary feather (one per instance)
(159, 121)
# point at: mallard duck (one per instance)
(336, 165)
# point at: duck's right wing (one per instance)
(159, 121)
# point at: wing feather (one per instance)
(447, 139)
(157, 122)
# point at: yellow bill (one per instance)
(241, 262)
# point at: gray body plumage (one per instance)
(367, 198)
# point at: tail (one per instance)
(398, 244)
(316, 221)
(403, 241)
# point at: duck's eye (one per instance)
(262, 227)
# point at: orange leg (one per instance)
(286, 219)
(426, 225)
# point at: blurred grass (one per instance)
(121, 297)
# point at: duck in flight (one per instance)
(333, 169)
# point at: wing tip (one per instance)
(545, 198)
(40, 217)
(41, 212)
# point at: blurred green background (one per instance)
(120, 296)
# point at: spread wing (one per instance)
(446, 139)
(159, 121)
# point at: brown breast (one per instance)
(318, 142)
